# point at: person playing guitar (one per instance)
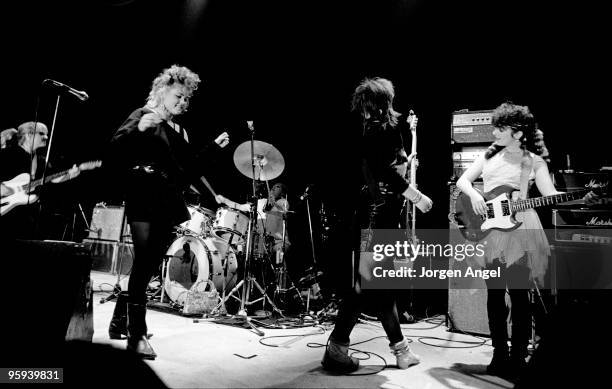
(521, 252)
(18, 158)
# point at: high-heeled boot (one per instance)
(336, 358)
(118, 325)
(137, 331)
(405, 358)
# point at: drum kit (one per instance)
(209, 246)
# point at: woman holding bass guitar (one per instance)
(522, 253)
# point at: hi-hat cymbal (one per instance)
(269, 162)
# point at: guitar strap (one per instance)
(526, 166)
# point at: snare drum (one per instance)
(230, 222)
(202, 261)
(200, 222)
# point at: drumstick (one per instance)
(205, 182)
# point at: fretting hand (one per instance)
(412, 120)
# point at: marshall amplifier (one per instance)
(576, 226)
(465, 156)
(472, 127)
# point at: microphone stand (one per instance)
(312, 246)
(44, 173)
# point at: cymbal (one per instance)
(269, 162)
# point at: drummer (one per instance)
(271, 212)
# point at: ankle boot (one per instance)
(137, 331)
(118, 325)
(336, 358)
(500, 364)
(405, 357)
(517, 363)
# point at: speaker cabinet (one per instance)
(108, 223)
(48, 296)
(467, 297)
(110, 257)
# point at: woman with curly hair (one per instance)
(152, 157)
(515, 158)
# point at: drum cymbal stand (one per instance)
(249, 280)
(280, 270)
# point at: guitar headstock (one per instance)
(90, 165)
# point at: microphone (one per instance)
(250, 125)
(81, 95)
(305, 194)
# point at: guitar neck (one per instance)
(521, 205)
(33, 184)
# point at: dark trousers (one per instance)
(385, 214)
(516, 279)
(150, 244)
(351, 307)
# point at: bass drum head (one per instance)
(193, 259)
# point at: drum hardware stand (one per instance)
(248, 281)
(282, 274)
(220, 308)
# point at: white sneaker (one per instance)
(405, 357)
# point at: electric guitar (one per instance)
(411, 210)
(501, 209)
(19, 188)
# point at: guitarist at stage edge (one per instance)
(22, 155)
(521, 254)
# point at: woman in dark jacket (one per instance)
(155, 163)
(384, 164)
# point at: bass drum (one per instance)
(193, 259)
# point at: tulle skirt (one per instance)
(529, 241)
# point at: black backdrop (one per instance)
(291, 66)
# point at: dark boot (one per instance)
(500, 364)
(137, 331)
(517, 362)
(118, 325)
(336, 358)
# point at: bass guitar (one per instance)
(501, 209)
(17, 191)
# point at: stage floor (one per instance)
(210, 355)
